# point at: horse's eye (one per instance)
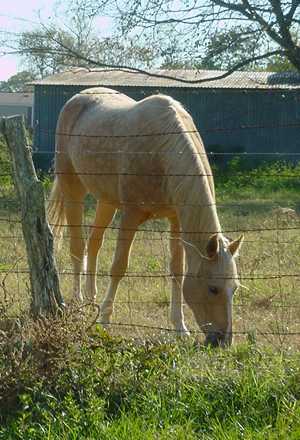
(213, 290)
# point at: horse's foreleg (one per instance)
(74, 213)
(130, 221)
(104, 215)
(176, 269)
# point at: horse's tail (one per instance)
(63, 170)
(56, 210)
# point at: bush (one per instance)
(5, 166)
(237, 177)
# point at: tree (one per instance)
(48, 51)
(280, 64)
(51, 48)
(228, 48)
(221, 33)
(18, 82)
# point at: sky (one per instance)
(16, 16)
(23, 15)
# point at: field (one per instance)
(69, 379)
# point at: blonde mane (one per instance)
(194, 188)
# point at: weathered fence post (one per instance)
(46, 296)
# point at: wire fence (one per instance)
(269, 263)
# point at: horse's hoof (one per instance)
(104, 321)
(183, 333)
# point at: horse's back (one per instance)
(122, 149)
(84, 104)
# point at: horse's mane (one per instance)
(188, 159)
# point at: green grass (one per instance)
(276, 180)
(109, 388)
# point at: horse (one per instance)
(146, 159)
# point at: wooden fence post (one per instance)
(46, 296)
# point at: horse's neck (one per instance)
(197, 208)
(197, 227)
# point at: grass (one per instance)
(96, 386)
(67, 379)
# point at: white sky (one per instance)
(21, 15)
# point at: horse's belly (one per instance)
(145, 193)
(123, 180)
(102, 187)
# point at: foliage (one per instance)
(5, 167)
(76, 41)
(227, 48)
(216, 32)
(51, 51)
(238, 178)
(280, 64)
(194, 34)
(18, 82)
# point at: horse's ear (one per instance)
(212, 248)
(235, 245)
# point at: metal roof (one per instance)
(16, 99)
(127, 78)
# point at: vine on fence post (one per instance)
(45, 291)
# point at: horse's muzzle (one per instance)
(218, 339)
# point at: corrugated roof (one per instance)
(114, 77)
(16, 99)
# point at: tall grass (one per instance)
(70, 386)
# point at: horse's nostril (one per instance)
(218, 339)
(213, 339)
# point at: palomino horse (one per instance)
(147, 160)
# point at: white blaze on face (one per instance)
(229, 293)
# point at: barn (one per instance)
(15, 103)
(253, 113)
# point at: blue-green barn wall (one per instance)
(229, 120)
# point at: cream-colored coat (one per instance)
(147, 160)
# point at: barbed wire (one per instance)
(171, 330)
(239, 174)
(114, 239)
(225, 231)
(5, 201)
(261, 302)
(150, 275)
(264, 175)
(293, 124)
(164, 153)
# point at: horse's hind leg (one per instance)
(176, 268)
(104, 215)
(74, 214)
(130, 221)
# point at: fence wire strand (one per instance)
(279, 229)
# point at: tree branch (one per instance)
(129, 69)
(289, 16)
(284, 29)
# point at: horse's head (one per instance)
(209, 293)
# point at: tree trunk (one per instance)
(46, 296)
